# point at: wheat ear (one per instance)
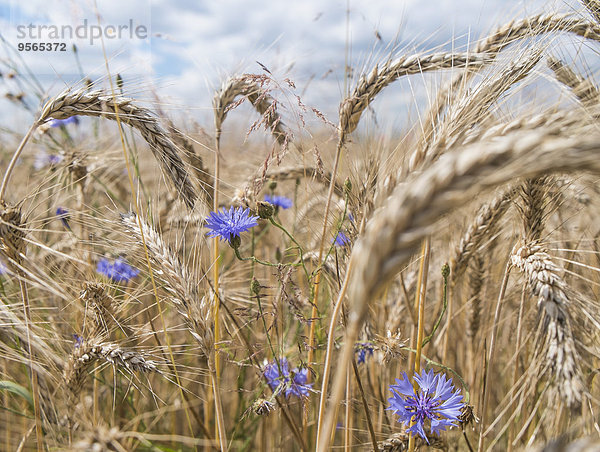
(593, 6)
(13, 247)
(245, 85)
(371, 84)
(583, 88)
(178, 282)
(183, 287)
(98, 103)
(483, 228)
(474, 108)
(544, 281)
(535, 207)
(411, 213)
(493, 44)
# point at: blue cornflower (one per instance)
(118, 271)
(78, 340)
(227, 224)
(54, 159)
(279, 201)
(63, 216)
(42, 159)
(363, 349)
(436, 400)
(341, 239)
(293, 382)
(64, 122)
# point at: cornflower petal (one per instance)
(280, 378)
(279, 201)
(118, 271)
(227, 224)
(417, 429)
(64, 122)
(436, 403)
(426, 381)
(404, 386)
(341, 239)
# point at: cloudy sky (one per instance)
(191, 45)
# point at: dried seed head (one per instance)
(398, 442)
(265, 209)
(262, 407)
(445, 270)
(467, 416)
(100, 439)
(392, 346)
(11, 232)
(83, 102)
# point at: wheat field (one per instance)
(304, 282)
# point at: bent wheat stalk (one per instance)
(582, 88)
(351, 110)
(413, 210)
(82, 102)
(370, 85)
(492, 45)
(544, 281)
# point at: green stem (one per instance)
(258, 261)
(339, 228)
(445, 274)
(262, 317)
(277, 225)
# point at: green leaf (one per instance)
(17, 389)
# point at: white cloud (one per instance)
(197, 43)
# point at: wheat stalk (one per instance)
(483, 228)
(413, 210)
(545, 282)
(369, 85)
(583, 88)
(97, 103)
(493, 44)
(181, 285)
